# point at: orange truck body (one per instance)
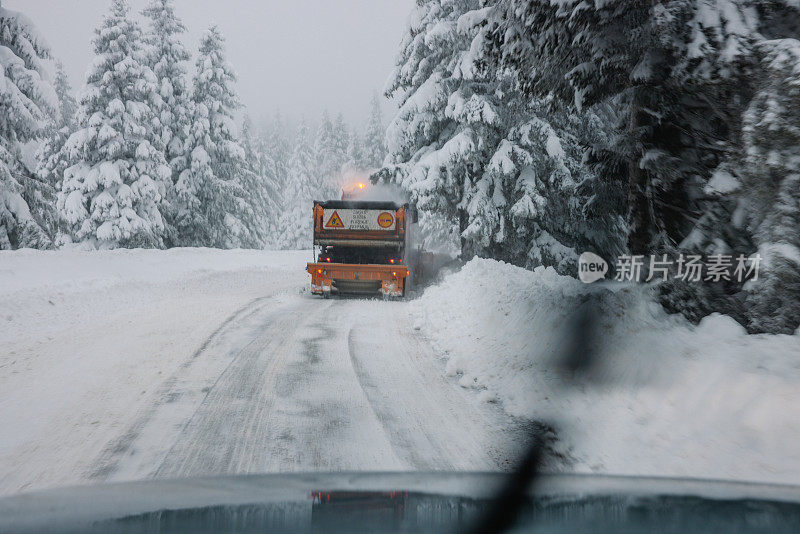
(361, 248)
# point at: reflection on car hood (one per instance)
(401, 502)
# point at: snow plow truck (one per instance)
(361, 247)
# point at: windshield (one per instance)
(516, 237)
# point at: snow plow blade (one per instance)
(388, 280)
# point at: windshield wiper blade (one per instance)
(577, 359)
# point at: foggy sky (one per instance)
(301, 56)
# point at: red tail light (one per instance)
(328, 260)
(391, 260)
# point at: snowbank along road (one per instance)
(280, 381)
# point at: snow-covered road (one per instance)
(225, 370)
(123, 365)
(294, 383)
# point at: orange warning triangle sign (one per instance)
(335, 221)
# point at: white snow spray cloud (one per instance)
(387, 192)
(377, 192)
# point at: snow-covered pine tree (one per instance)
(278, 147)
(51, 163)
(771, 189)
(272, 186)
(429, 154)
(300, 188)
(487, 166)
(535, 201)
(375, 136)
(212, 208)
(27, 99)
(116, 174)
(356, 156)
(259, 183)
(681, 70)
(67, 106)
(328, 158)
(341, 160)
(341, 139)
(167, 57)
(277, 144)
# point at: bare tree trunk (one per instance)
(467, 250)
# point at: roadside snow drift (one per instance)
(664, 398)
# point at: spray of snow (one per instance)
(384, 193)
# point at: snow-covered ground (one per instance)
(120, 365)
(664, 397)
(123, 365)
(86, 338)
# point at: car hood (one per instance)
(392, 502)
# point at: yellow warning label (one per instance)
(335, 221)
(385, 219)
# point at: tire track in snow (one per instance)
(287, 400)
(135, 452)
(301, 384)
(322, 419)
(224, 433)
(434, 424)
